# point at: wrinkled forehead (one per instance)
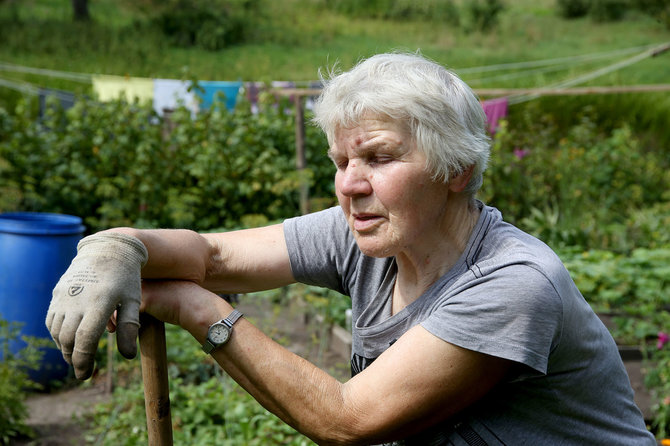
(364, 120)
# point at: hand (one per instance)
(102, 278)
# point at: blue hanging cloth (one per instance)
(210, 89)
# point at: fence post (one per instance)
(300, 159)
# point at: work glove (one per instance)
(103, 277)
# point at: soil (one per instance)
(55, 416)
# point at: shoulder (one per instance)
(331, 220)
(504, 249)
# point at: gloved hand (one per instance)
(103, 277)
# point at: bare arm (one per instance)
(233, 262)
(417, 382)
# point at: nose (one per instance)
(353, 180)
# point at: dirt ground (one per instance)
(55, 416)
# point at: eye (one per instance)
(340, 163)
(380, 159)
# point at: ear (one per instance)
(460, 181)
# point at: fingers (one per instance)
(67, 334)
(54, 324)
(127, 326)
(126, 339)
(83, 364)
(85, 343)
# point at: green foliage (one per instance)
(15, 381)
(432, 10)
(658, 380)
(659, 9)
(598, 10)
(484, 14)
(293, 38)
(331, 305)
(576, 187)
(118, 164)
(634, 287)
(608, 10)
(571, 9)
(209, 25)
(207, 406)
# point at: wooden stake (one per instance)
(156, 385)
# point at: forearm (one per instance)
(174, 253)
(301, 394)
(229, 262)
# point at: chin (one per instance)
(374, 249)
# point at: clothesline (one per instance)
(86, 77)
(652, 52)
(170, 93)
(106, 82)
(555, 61)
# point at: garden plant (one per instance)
(590, 176)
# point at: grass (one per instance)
(298, 37)
(295, 38)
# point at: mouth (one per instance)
(365, 222)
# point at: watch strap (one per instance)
(232, 318)
(208, 346)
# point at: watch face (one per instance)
(219, 333)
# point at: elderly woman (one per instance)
(465, 329)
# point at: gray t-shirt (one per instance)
(509, 296)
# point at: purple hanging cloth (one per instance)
(495, 110)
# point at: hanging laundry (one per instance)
(210, 89)
(170, 94)
(495, 110)
(110, 88)
(252, 92)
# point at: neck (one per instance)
(421, 266)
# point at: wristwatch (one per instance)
(219, 332)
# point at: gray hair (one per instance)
(444, 116)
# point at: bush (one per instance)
(659, 9)
(432, 10)
(571, 9)
(576, 186)
(211, 25)
(484, 14)
(608, 10)
(598, 10)
(15, 381)
(119, 164)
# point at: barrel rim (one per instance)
(39, 223)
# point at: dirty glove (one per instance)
(103, 277)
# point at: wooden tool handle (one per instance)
(156, 385)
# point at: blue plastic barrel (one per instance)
(35, 250)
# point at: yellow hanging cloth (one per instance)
(109, 88)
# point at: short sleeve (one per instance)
(321, 248)
(513, 312)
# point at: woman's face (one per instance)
(390, 201)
